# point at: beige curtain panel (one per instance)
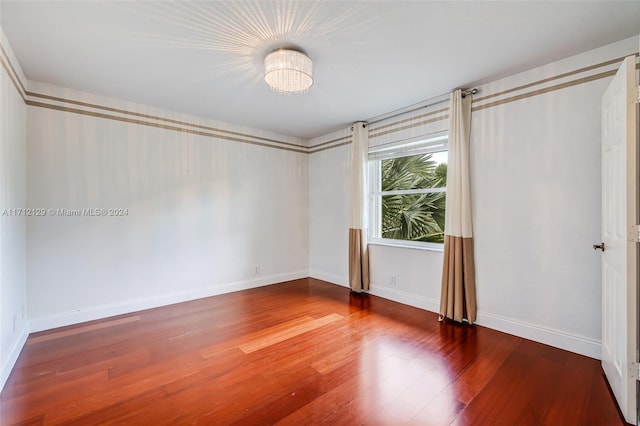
(458, 296)
(359, 209)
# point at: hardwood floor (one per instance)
(297, 353)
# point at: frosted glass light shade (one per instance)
(288, 71)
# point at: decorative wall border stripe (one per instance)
(329, 142)
(158, 125)
(312, 149)
(428, 114)
(556, 77)
(545, 90)
(158, 118)
(234, 136)
(13, 80)
(13, 75)
(549, 89)
(512, 98)
(410, 126)
(332, 146)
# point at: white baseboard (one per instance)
(14, 352)
(553, 337)
(549, 336)
(104, 311)
(405, 297)
(330, 278)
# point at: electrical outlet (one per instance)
(14, 323)
(256, 270)
(393, 280)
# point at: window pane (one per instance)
(415, 172)
(441, 159)
(414, 217)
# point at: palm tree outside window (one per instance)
(408, 192)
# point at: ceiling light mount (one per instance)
(288, 71)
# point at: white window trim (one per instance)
(409, 191)
(415, 245)
(435, 143)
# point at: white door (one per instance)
(619, 257)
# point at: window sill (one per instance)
(396, 243)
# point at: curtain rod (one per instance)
(440, 101)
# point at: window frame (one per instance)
(432, 143)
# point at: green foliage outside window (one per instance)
(414, 217)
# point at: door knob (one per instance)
(598, 246)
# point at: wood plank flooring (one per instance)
(302, 352)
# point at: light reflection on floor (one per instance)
(400, 382)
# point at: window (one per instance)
(408, 191)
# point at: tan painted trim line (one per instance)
(158, 118)
(329, 147)
(13, 75)
(158, 125)
(230, 135)
(410, 126)
(302, 149)
(417, 117)
(331, 141)
(510, 99)
(548, 89)
(556, 77)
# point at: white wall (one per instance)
(536, 189)
(13, 192)
(203, 212)
(536, 198)
(329, 211)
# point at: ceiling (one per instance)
(370, 57)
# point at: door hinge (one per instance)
(638, 97)
(635, 370)
(634, 234)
